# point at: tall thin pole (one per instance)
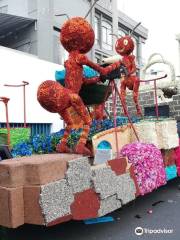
(156, 100)
(155, 92)
(114, 96)
(5, 100)
(24, 97)
(7, 123)
(24, 102)
(128, 116)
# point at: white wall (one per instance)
(18, 7)
(17, 67)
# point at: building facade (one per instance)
(39, 35)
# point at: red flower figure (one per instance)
(124, 47)
(77, 37)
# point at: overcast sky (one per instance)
(162, 19)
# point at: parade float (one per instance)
(100, 163)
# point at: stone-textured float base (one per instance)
(55, 188)
(73, 190)
(11, 207)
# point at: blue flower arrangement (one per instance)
(40, 144)
(22, 149)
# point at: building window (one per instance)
(98, 58)
(97, 30)
(106, 35)
(4, 9)
(107, 4)
(121, 33)
(104, 57)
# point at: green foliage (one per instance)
(17, 135)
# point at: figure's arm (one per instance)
(92, 80)
(83, 60)
(103, 70)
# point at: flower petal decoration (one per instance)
(148, 165)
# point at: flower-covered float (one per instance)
(100, 163)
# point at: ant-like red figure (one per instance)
(77, 37)
(125, 46)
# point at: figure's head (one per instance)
(77, 34)
(124, 45)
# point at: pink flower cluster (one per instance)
(148, 165)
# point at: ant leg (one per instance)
(62, 145)
(80, 147)
(78, 104)
(98, 112)
(136, 97)
(123, 97)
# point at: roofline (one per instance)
(22, 17)
(130, 23)
(12, 23)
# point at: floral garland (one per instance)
(40, 144)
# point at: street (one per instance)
(159, 211)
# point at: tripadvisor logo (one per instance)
(139, 231)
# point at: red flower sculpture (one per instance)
(124, 47)
(77, 37)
